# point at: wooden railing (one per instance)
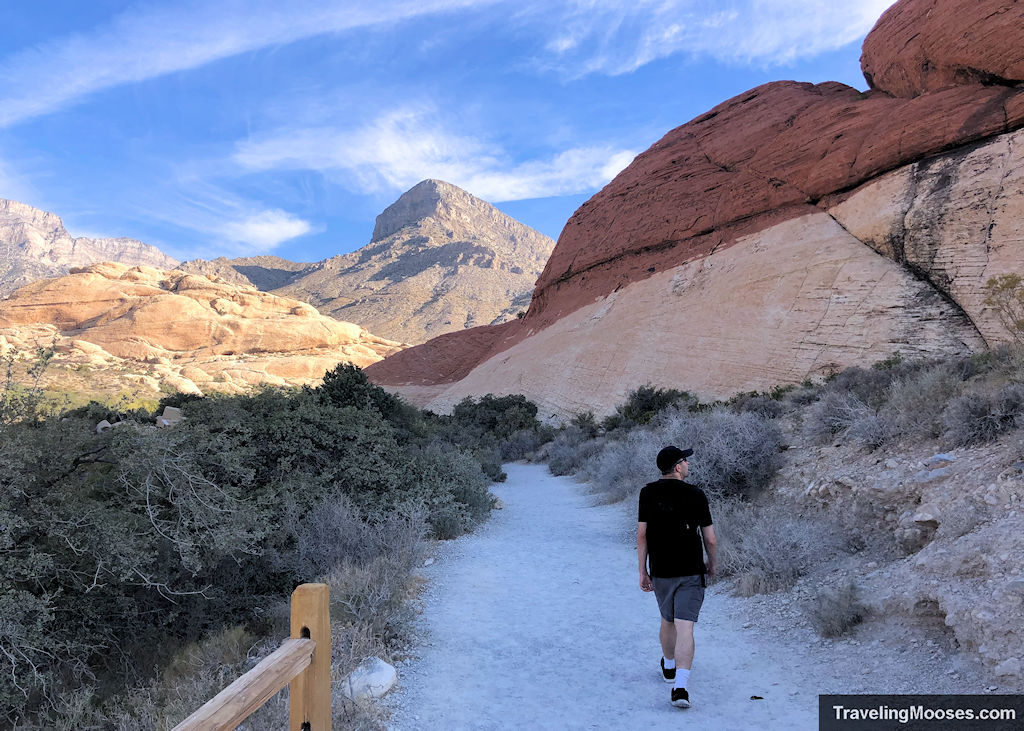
(304, 662)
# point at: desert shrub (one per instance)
(761, 404)
(916, 401)
(871, 429)
(643, 403)
(449, 487)
(624, 465)
(586, 423)
(1005, 294)
(979, 417)
(832, 415)
(802, 395)
(177, 400)
(492, 428)
(96, 412)
(177, 533)
(335, 533)
(571, 450)
(524, 443)
(733, 453)
(836, 610)
(347, 385)
(24, 400)
(869, 385)
(768, 547)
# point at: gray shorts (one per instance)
(679, 597)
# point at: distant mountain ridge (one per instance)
(440, 260)
(35, 245)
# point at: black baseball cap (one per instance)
(669, 457)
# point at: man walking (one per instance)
(674, 531)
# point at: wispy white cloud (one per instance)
(227, 223)
(612, 37)
(266, 229)
(590, 36)
(403, 147)
(148, 41)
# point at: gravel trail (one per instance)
(537, 621)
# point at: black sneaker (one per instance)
(680, 698)
(668, 674)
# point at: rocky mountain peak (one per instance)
(13, 213)
(436, 199)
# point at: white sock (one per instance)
(682, 678)
(669, 664)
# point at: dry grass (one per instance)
(768, 547)
(835, 611)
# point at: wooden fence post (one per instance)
(310, 692)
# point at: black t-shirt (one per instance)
(674, 512)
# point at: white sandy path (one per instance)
(536, 621)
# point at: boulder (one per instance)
(373, 678)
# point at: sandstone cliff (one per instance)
(192, 332)
(789, 231)
(35, 245)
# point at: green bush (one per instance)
(451, 488)
(179, 533)
(499, 415)
(643, 403)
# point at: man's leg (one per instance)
(683, 650)
(667, 634)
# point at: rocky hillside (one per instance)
(440, 260)
(790, 231)
(35, 245)
(180, 331)
(263, 272)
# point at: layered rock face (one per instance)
(959, 525)
(440, 260)
(917, 47)
(198, 333)
(919, 196)
(35, 245)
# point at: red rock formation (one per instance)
(925, 45)
(444, 359)
(779, 151)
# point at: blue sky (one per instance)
(229, 128)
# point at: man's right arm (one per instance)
(711, 546)
(641, 552)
